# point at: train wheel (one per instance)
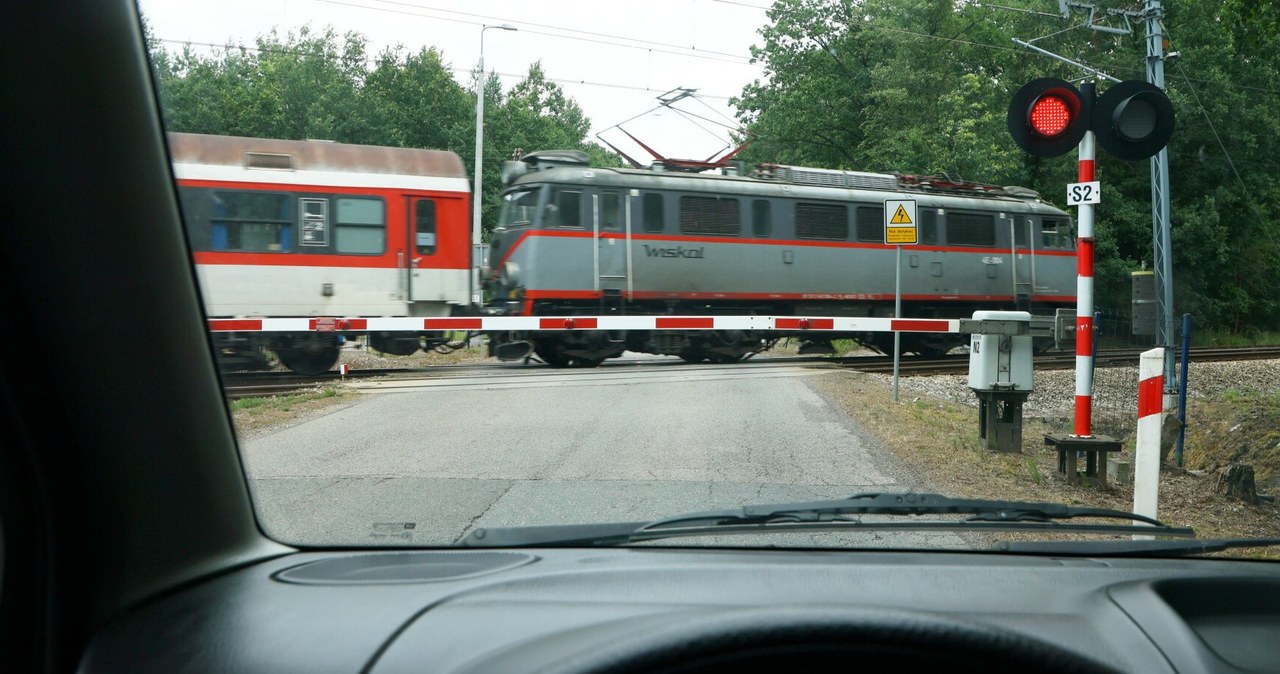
(556, 357)
(693, 354)
(311, 355)
(723, 358)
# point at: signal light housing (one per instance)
(1133, 120)
(1048, 117)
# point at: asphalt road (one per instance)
(423, 462)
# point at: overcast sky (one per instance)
(615, 57)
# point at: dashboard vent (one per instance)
(402, 567)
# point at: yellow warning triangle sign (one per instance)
(900, 217)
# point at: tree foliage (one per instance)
(321, 85)
(923, 86)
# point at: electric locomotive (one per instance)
(574, 239)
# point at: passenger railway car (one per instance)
(306, 229)
(780, 240)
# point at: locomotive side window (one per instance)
(610, 210)
(424, 227)
(565, 210)
(1056, 233)
(870, 223)
(928, 225)
(710, 215)
(761, 218)
(360, 226)
(971, 229)
(653, 212)
(250, 221)
(1020, 227)
(822, 221)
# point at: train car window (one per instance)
(928, 225)
(565, 210)
(315, 222)
(870, 223)
(610, 210)
(653, 212)
(518, 208)
(257, 222)
(822, 221)
(424, 227)
(761, 218)
(710, 215)
(360, 226)
(971, 229)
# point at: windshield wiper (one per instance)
(838, 514)
(1132, 548)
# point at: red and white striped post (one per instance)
(1146, 462)
(1084, 298)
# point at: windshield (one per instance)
(790, 253)
(519, 208)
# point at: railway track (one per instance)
(265, 384)
(959, 364)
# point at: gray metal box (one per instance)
(1001, 362)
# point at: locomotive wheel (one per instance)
(312, 355)
(556, 357)
(723, 358)
(693, 354)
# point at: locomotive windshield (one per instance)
(519, 208)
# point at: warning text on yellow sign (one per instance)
(900, 235)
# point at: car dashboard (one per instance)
(696, 610)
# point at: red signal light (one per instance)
(1050, 116)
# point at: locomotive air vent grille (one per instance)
(268, 160)
(402, 567)
(831, 178)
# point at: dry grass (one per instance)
(938, 442)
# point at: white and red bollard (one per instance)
(1146, 460)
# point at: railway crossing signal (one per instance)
(1049, 117)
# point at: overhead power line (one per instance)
(374, 61)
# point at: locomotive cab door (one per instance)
(611, 229)
(1023, 256)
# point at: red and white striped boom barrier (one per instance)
(568, 323)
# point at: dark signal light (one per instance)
(1048, 117)
(1133, 120)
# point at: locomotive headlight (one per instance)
(510, 274)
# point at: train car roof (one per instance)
(312, 155)
(749, 184)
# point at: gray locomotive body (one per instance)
(577, 240)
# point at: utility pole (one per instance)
(1161, 236)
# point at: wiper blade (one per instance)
(908, 503)
(838, 514)
(1131, 548)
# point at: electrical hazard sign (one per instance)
(900, 222)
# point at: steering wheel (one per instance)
(825, 638)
